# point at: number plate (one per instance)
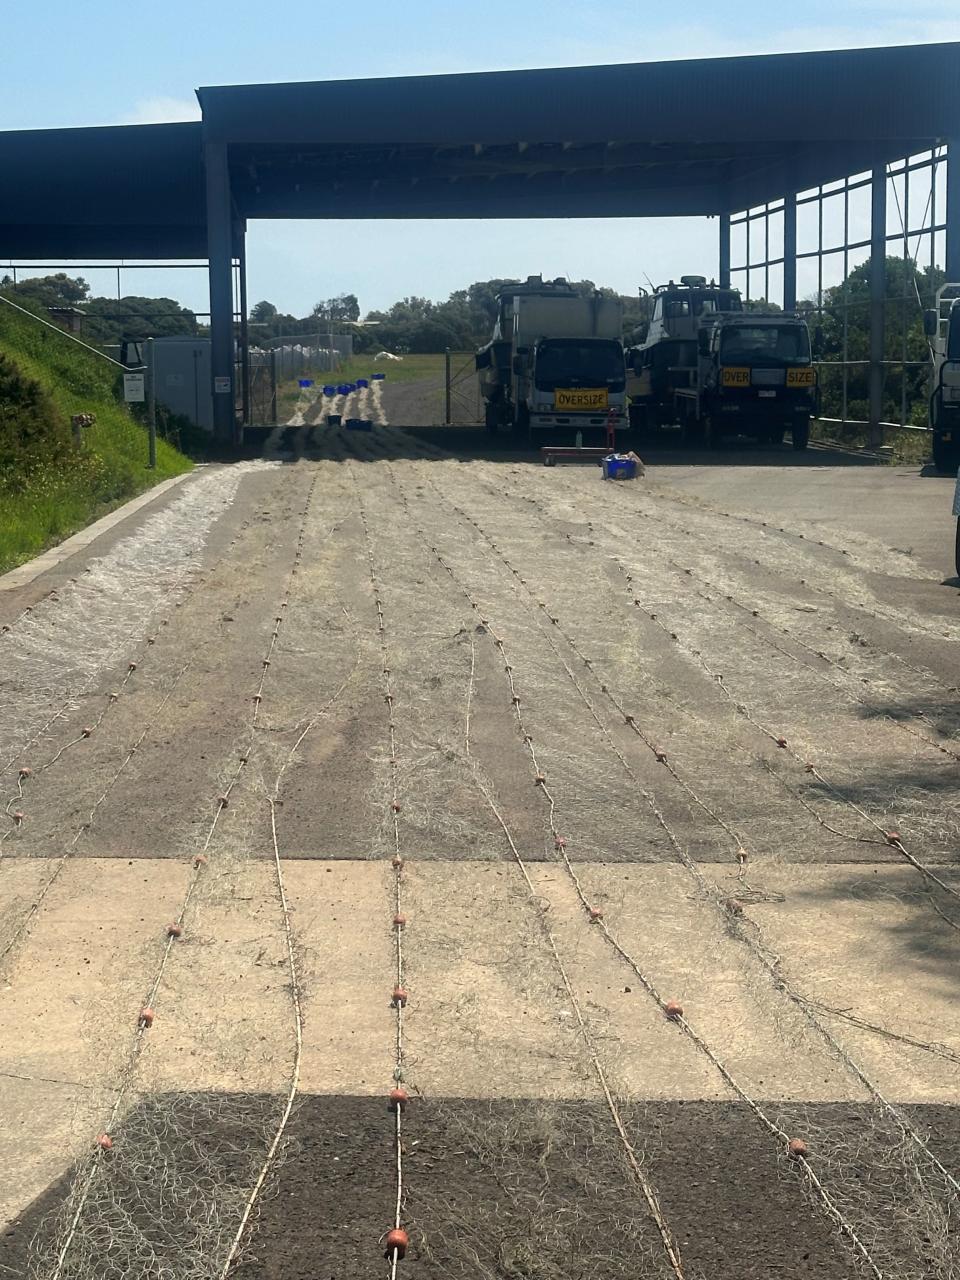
(733, 377)
(580, 399)
(801, 377)
(767, 395)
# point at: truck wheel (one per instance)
(944, 455)
(775, 437)
(801, 434)
(491, 417)
(691, 431)
(521, 425)
(711, 429)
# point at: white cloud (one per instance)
(162, 110)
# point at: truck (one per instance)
(555, 363)
(715, 369)
(942, 327)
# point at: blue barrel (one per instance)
(378, 377)
(329, 389)
(362, 382)
(305, 382)
(344, 389)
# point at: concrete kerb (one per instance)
(26, 573)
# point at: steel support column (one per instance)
(790, 251)
(878, 283)
(953, 210)
(220, 255)
(724, 280)
(241, 242)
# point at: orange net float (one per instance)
(399, 921)
(397, 1100)
(797, 1149)
(25, 771)
(200, 860)
(147, 1016)
(673, 1009)
(174, 930)
(399, 997)
(596, 913)
(105, 1142)
(397, 1243)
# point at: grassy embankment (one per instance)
(49, 488)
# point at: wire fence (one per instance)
(836, 226)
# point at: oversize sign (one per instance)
(580, 399)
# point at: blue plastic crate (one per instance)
(618, 467)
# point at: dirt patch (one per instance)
(498, 1189)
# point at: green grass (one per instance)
(411, 369)
(909, 447)
(49, 488)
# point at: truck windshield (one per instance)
(765, 345)
(580, 362)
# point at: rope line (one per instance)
(771, 964)
(595, 916)
(395, 1249)
(145, 1020)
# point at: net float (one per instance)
(397, 1242)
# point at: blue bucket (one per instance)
(329, 389)
(377, 377)
(618, 467)
(305, 382)
(362, 382)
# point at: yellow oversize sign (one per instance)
(734, 377)
(580, 399)
(801, 377)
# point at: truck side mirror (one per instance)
(930, 323)
(703, 342)
(517, 365)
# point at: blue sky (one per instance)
(110, 62)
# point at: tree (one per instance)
(263, 312)
(109, 320)
(58, 290)
(343, 309)
(908, 291)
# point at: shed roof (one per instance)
(693, 137)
